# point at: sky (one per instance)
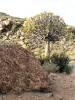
(27, 8)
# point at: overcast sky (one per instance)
(26, 8)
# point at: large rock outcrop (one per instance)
(20, 71)
(10, 28)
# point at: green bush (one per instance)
(44, 60)
(61, 60)
(68, 69)
(48, 66)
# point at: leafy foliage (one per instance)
(44, 27)
(61, 60)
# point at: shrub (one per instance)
(61, 60)
(20, 71)
(68, 69)
(47, 65)
(44, 60)
(50, 67)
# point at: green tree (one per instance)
(44, 27)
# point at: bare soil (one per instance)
(63, 88)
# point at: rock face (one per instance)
(20, 71)
(5, 26)
(10, 28)
(8, 23)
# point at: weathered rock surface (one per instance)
(10, 28)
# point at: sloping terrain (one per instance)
(20, 71)
(10, 28)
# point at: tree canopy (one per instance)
(45, 25)
(43, 28)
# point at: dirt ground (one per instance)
(63, 87)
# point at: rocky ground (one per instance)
(63, 87)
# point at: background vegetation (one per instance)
(46, 35)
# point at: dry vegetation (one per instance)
(20, 71)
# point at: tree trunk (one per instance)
(47, 49)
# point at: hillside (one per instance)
(12, 30)
(21, 71)
(9, 27)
